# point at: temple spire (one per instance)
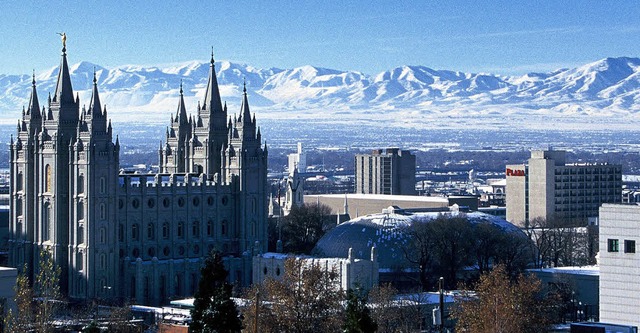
(181, 114)
(94, 105)
(244, 108)
(34, 106)
(64, 91)
(212, 102)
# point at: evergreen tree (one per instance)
(214, 310)
(358, 318)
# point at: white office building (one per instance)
(619, 264)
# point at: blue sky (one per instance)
(506, 37)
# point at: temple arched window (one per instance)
(47, 184)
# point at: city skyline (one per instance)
(496, 37)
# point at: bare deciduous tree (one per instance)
(306, 299)
(500, 305)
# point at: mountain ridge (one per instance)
(603, 87)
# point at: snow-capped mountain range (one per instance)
(606, 87)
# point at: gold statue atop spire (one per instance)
(63, 36)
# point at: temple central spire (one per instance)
(64, 91)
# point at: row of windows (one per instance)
(166, 202)
(180, 231)
(587, 171)
(613, 245)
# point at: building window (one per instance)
(19, 182)
(209, 227)
(195, 229)
(134, 232)
(165, 230)
(46, 219)
(80, 184)
(629, 246)
(150, 231)
(224, 227)
(80, 210)
(103, 235)
(79, 262)
(180, 202)
(19, 207)
(103, 185)
(613, 245)
(80, 235)
(103, 211)
(121, 232)
(47, 172)
(103, 261)
(180, 232)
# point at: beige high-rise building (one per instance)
(390, 172)
(550, 188)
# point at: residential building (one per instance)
(392, 171)
(549, 188)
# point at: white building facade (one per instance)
(620, 264)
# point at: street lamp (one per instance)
(441, 287)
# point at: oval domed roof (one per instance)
(387, 232)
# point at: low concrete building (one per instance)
(361, 273)
(582, 282)
(364, 204)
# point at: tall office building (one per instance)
(390, 172)
(143, 237)
(298, 160)
(550, 188)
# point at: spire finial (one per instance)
(33, 78)
(180, 86)
(212, 61)
(95, 81)
(63, 37)
(244, 85)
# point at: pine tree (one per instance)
(358, 318)
(214, 310)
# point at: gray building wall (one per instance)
(126, 236)
(390, 172)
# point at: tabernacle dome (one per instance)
(386, 231)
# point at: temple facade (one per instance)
(129, 236)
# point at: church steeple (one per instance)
(94, 106)
(34, 106)
(64, 91)
(244, 108)
(181, 114)
(212, 101)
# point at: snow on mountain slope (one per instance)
(609, 86)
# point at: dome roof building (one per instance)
(388, 232)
